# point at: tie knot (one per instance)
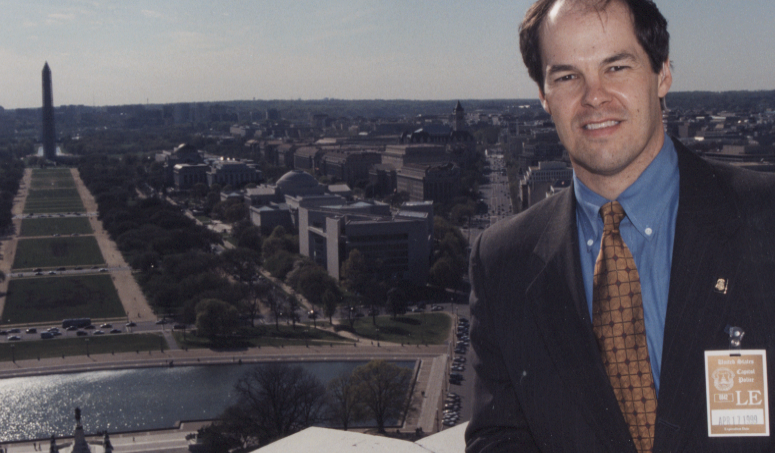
(612, 214)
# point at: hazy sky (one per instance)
(127, 52)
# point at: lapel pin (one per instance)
(721, 286)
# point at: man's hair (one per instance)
(650, 30)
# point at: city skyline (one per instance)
(111, 53)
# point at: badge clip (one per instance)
(735, 340)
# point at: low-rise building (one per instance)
(538, 179)
(233, 173)
(440, 183)
(396, 247)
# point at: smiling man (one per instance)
(593, 311)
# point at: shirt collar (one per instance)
(645, 201)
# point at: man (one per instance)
(700, 257)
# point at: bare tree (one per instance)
(275, 304)
(344, 403)
(383, 388)
(275, 400)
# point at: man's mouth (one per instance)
(595, 126)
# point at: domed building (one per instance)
(271, 206)
(299, 183)
(188, 160)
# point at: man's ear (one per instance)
(665, 79)
(544, 104)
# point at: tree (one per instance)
(215, 318)
(330, 302)
(312, 281)
(278, 241)
(444, 274)
(242, 264)
(397, 302)
(250, 238)
(343, 401)
(274, 302)
(383, 388)
(276, 400)
(354, 272)
(292, 303)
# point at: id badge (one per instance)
(736, 387)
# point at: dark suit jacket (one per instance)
(540, 383)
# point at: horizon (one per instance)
(109, 53)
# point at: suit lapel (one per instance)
(707, 217)
(557, 301)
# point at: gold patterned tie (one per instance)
(618, 323)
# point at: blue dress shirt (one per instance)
(651, 205)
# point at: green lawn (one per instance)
(53, 299)
(426, 328)
(57, 251)
(68, 347)
(63, 225)
(53, 200)
(54, 178)
(266, 335)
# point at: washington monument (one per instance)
(49, 136)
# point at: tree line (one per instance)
(277, 400)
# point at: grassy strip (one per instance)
(64, 226)
(59, 200)
(69, 347)
(265, 335)
(31, 300)
(57, 251)
(52, 179)
(426, 328)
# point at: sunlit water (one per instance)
(127, 400)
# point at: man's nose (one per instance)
(596, 93)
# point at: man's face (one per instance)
(602, 93)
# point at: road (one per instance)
(496, 194)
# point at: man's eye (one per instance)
(617, 68)
(565, 78)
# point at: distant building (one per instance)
(383, 178)
(349, 165)
(185, 176)
(182, 154)
(233, 173)
(439, 183)
(307, 158)
(537, 180)
(400, 155)
(270, 216)
(401, 244)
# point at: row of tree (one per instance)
(11, 173)
(277, 400)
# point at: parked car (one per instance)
(115, 331)
(46, 335)
(131, 324)
(106, 326)
(437, 308)
(14, 338)
(82, 333)
(32, 330)
(98, 332)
